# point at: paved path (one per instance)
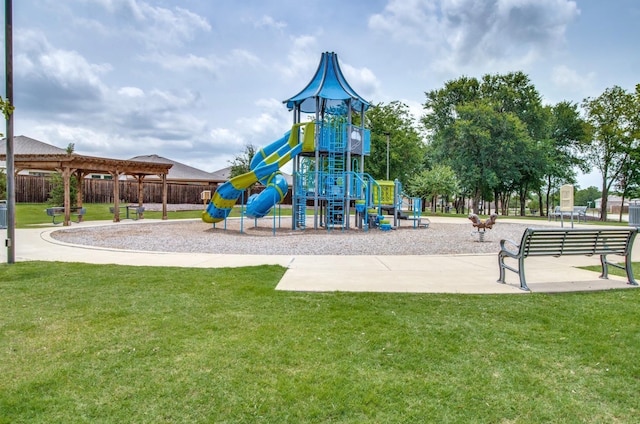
(415, 274)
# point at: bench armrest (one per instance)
(510, 248)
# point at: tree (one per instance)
(241, 164)
(587, 196)
(56, 195)
(441, 181)
(491, 132)
(406, 146)
(628, 182)
(6, 108)
(515, 94)
(3, 184)
(569, 133)
(611, 118)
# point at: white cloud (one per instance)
(267, 21)
(362, 80)
(569, 80)
(302, 59)
(471, 33)
(131, 92)
(153, 25)
(176, 62)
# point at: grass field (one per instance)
(111, 344)
(29, 214)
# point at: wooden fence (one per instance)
(36, 189)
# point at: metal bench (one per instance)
(579, 212)
(135, 212)
(559, 242)
(59, 211)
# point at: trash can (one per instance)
(3, 214)
(634, 215)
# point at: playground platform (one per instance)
(464, 273)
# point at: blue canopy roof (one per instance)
(330, 86)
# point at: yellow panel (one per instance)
(387, 189)
(309, 140)
(209, 219)
(243, 181)
(221, 203)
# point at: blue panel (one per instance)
(328, 83)
(367, 142)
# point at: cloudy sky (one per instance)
(197, 80)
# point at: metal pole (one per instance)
(11, 191)
(387, 134)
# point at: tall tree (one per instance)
(567, 140)
(491, 132)
(406, 148)
(611, 117)
(628, 182)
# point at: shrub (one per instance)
(56, 195)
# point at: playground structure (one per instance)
(327, 155)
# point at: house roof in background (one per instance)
(179, 171)
(222, 174)
(30, 153)
(29, 146)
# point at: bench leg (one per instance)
(605, 267)
(501, 267)
(523, 280)
(629, 269)
(520, 271)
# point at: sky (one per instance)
(196, 81)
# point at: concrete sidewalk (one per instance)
(411, 274)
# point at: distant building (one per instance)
(181, 173)
(615, 202)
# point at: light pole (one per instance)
(387, 134)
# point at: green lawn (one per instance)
(29, 214)
(111, 344)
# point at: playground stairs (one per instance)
(300, 203)
(336, 187)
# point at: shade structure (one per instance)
(330, 86)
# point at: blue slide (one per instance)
(265, 167)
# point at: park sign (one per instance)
(566, 198)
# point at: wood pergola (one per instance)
(79, 166)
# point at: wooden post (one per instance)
(116, 195)
(164, 197)
(80, 185)
(66, 178)
(140, 178)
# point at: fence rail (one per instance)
(36, 189)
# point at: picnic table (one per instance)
(134, 212)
